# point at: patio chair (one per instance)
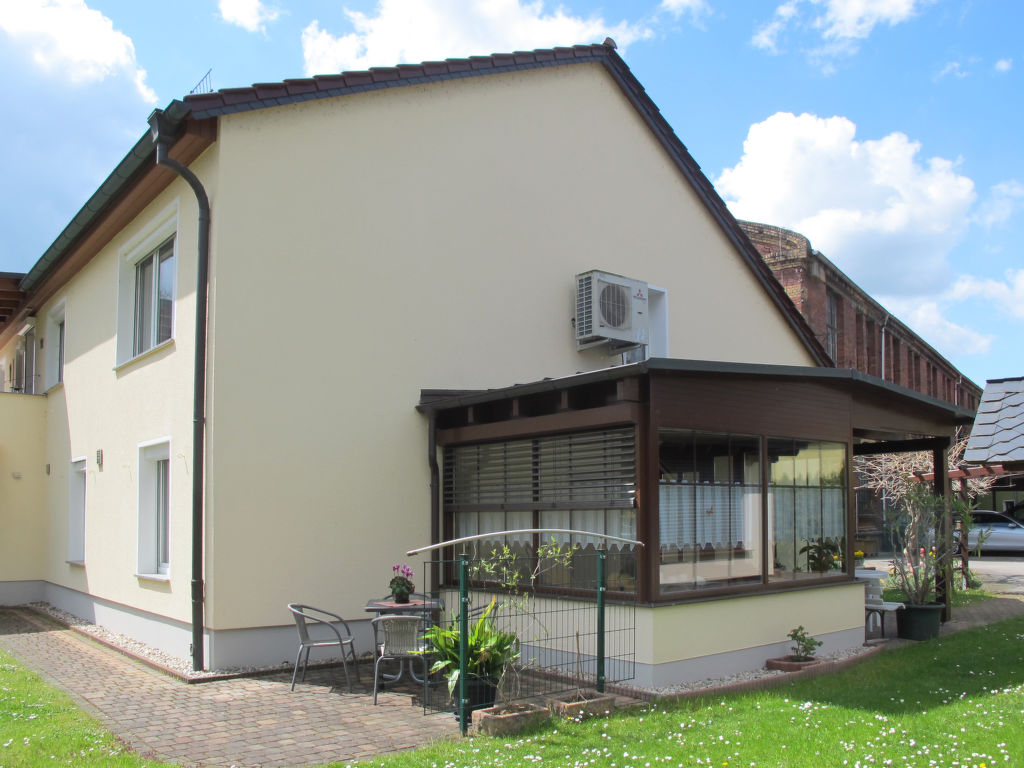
(398, 637)
(308, 618)
(875, 607)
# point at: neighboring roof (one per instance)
(997, 436)
(433, 400)
(266, 95)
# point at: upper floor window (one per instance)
(154, 298)
(147, 284)
(832, 326)
(55, 345)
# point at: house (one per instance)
(255, 348)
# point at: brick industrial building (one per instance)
(857, 331)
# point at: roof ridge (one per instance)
(290, 90)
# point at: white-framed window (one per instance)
(76, 512)
(154, 298)
(154, 508)
(25, 361)
(55, 343)
(6, 371)
(147, 287)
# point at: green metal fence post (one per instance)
(600, 621)
(463, 643)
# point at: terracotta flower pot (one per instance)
(790, 663)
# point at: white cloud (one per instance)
(952, 68)
(695, 9)
(250, 15)
(883, 214)
(767, 36)
(950, 339)
(408, 31)
(841, 24)
(1004, 65)
(1008, 295)
(855, 19)
(67, 38)
(1005, 199)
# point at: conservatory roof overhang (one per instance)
(876, 410)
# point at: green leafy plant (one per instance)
(489, 650)
(921, 556)
(804, 645)
(822, 554)
(401, 585)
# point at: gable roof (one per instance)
(206, 107)
(998, 433)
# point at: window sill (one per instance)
(131, 361)
(162, 577)
(53, 387)
(77, 563)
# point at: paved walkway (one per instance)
(259, 721)
(246, 721)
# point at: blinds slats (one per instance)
(591, 466)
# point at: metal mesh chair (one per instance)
(325, 634)
(398, 638)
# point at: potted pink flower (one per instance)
(401, 583)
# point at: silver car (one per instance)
(1002, 532)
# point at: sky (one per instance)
(886, 131)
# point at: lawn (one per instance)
(957, 701)
(40, 725)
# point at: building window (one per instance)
(54, 350)
(147, 284)
(76, 512)
(154, 509)
(25, 363)
(709, 502)
(806, 509)
(832, 326)
(583, 481)
(154, 298)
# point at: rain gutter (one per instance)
(164, 128)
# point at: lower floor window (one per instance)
(154, 509)
(806, 508)
(709, 500)
(584, 481)
(712, 505)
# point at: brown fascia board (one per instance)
(259, 96)
(105, 214)
(847, 378)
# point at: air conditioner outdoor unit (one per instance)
(611, 310)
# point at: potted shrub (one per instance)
(920, 559)
(804, 646)
(489, 653)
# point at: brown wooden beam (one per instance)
(902, 446)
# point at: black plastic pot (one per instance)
(481, 692)
(919, 622)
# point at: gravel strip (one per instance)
(183, 667)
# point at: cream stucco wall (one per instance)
(363, 248)
(112, 407)
(427, 236)
(23, 524)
